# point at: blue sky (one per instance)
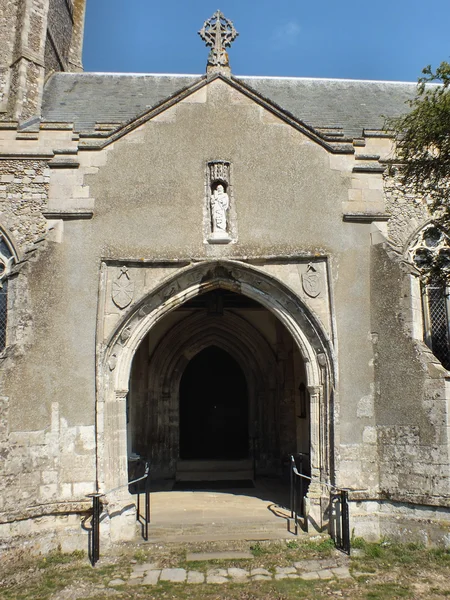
(356, 39)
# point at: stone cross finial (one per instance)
(218, 33)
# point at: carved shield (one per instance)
(122, 292)
(311, 281)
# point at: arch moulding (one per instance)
(115, 356)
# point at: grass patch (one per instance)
(259, 549)
(60, 558)
(394, 571)
(387, 591)
(140, 556)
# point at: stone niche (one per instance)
(220, 224)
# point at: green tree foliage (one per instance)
(422, 151)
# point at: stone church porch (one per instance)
(211, 367)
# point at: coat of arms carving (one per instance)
(122, 289)
(312, 281)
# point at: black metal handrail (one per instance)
(297, 494)
(146, 516)
(340, 528)
(97, 508)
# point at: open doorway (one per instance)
(219, 379)
(213, 408)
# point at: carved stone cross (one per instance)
(218, 33)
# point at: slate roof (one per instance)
(353, 105)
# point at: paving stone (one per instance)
(142, 567)
(152, 577)
(328, 563)
(341, 572)
(173, 575)
(135, 575)
(236, 573)
(216, 579)
(261, 577)
(325, 574)
(195, 577)
(138, 581)
(308, 565)
(310, 575)
(260, 571)
(115, 582)
(217, 573)
(286, 576)
(285, 570)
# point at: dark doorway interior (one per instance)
(213, 408)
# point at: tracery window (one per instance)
(432, 244)
(6, 262)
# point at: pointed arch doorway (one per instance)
(219, 385)
(213, 408)
(274, 370)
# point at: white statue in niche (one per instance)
(220, 203)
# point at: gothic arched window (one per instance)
(6, 262)
(432, 244)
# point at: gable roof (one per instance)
(350, 105)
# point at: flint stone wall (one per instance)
(23, 195)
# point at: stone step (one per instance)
(215, 465)
(223, 532)
(213, 475)
(214, 470)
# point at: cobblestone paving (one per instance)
(150, 574)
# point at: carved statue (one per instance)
(220, 203)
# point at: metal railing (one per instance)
(144, 519)
(339, 512)
(97, 509)
(298, 488)
(340, 520)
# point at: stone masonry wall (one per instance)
(23, 194)
(48, 469)
(59, 27)
(407, 211)
(34, 33)
(9, 11)
(410, 402)
(76, 46)
(52, 62)
(27, 80)
(45, 473)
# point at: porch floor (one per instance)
(258, 513)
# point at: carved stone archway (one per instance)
(115, 359)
